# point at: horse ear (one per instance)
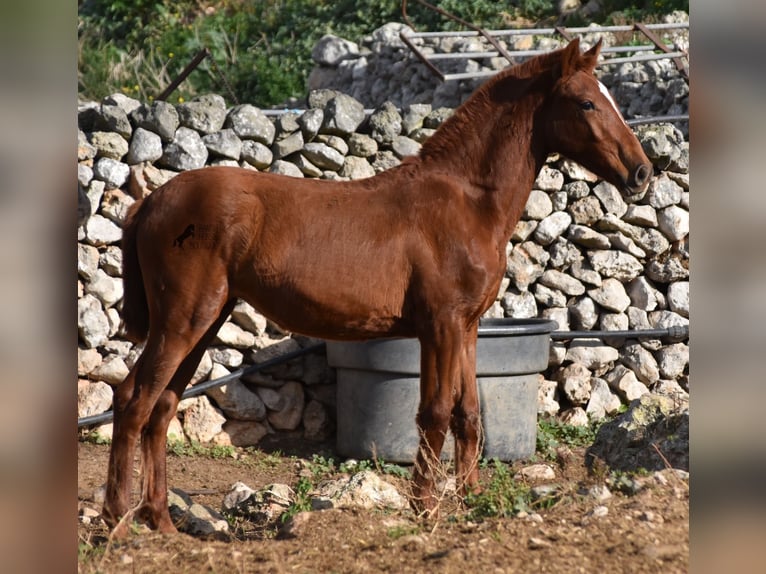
(569, 58)
(590, 58)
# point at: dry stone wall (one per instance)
(579, 255)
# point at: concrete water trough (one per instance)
(378, 391)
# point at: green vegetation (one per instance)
(552, 434)
(182, 448)
(260, 52)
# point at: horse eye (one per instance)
(587, 105)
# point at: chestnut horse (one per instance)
(415, 251)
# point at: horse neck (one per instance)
(493, 149)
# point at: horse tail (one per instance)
(135, 309)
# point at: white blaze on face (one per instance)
(608, 96)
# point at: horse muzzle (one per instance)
(637, 183)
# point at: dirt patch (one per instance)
(643, 531)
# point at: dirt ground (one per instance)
(646, 531)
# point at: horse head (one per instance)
(584, 124)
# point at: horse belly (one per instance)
(328, 305)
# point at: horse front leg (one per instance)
(466, 419)
(439, 369)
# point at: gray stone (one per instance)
(323, 156)
(385, 123)
(592, 353)
(342, 115)
(125, 103)
(610, 198)
(87, 260)
(523, 230)
(644, 215)
(519, 304)
(362, 490)
(574, 171)
(667, 271)
(549, 179)
(611, 295)
(195, 519)
(616, 264)
(672, 360)
(581, 269)
(587, 237)
(114, 118)
(92, 322)
(185, 152)
(109, 144)
(661, 143)
(230, 358)
(663, 192)
(548, 297)
(584, 313)
(624, 382)
(115, 204)
(575, 383)
(232, 335)
(437, 117)
(384, 160)
(413, 117)
(112, 172)
(112, 370)
(158, 117)
(286, 124)
(237, 401)
(642, 294)
(101, 231)
(576, 190)
(526, 264)
(331, 50)
(404, 147)
(641, 362)
(547, 397)
(552, 227)
(673, 221)
(678, 298)
(362, 145)
(93, 398)
(205, 114)
(563, 254)
(585, 211)
(201, 420)
(289, 417)
(317, 424)
(356, 168)
(250, 123)
(307, 168)
(602, 401)
(108, 289)
(256, 154)
(626, 244)
(635, 439)
(562, 282)
(288, 145)
(310, 123)
(224, 143)
(144, 146)
(539, 205)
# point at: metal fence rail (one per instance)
(655, 50)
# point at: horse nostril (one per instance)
(642, 174)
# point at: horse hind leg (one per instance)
(136, 398)
(153, 508)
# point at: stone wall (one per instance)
(580, 255)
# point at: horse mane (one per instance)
(506, 88)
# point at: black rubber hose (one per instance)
(202, 387)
